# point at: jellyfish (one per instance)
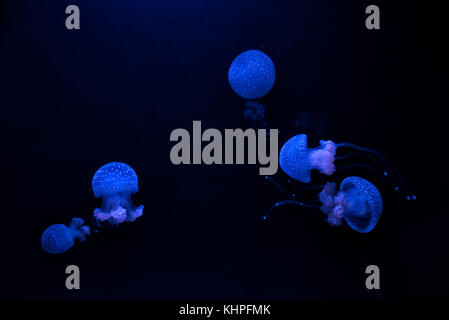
(297, 160)
(115, 182)
(59, 238)
(251, 76)
(358, 202)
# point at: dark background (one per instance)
(74, 100)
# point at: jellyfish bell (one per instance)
(115, 182)
(252, 74)
(297, 160)
(59, 238)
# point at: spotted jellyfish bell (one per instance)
(115, 182)
(297, 160)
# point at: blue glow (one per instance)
(363, 204)
(252, 74)
(293, 158)
(59, 238)
(254, 112)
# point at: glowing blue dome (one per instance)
(294, 160)
(113, 178)
(57, 239)
(252, 74)
(365, 193)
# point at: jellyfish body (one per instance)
(115, 182)
(59, 238)
(252, 74)
(297, 160)
(362, 203)
(358, 202)
(254, 112)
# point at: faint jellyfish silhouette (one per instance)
(115, 182)
(297, 160)
(59, 238)
(358, 202)
(252, 75)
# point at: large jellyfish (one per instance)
(251, 76)
(59, 238)
(297, 160)
(115, 182)
(358, 202)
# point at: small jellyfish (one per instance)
(59, 238)
(297, 160)
(115, 182)
(358, 202)
(252, 75)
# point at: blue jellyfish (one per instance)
(59, 238)
(251, 76)
(115, 182)
(297, 160)
(358, 202)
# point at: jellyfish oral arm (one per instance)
(100, 215)
(323, 157)
(134, 214)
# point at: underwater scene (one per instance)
(223, 150)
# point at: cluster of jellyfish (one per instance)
(357, 201)
(114, 182)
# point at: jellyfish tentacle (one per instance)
(290, 202)
(366, 155)
(78, 229)
(373, 153)
(382, 177)
(279, 186)
(385, 161)
(115, 182)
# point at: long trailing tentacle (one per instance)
(380, 157)
(290, 202)
(279, 186)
